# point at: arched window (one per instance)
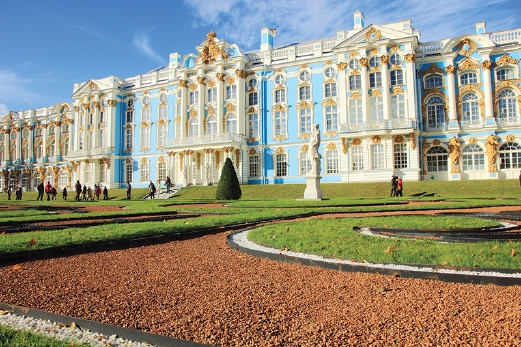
(398, 106)
(305, 120)
(231, 123)
(377, 109)
(103, 138)
(254, 165)
(161, 172)
(505, 74)
(63, 180)
(193, 127)
(468, 78)
(396, 77)
(211, 126)
(145, 137)
(433, 81)
(305, 163)
(435, 112)
(437, 159)
(145, 114)
(163, 111)
(162, 135)
(507, 105)
(473, 158)
(375, 79)
(281, 121)
(330, 90)
(332, 162)
(470, 108)
(253, 125)
(305, 93)
(145, 168)
(25, 181)
(510, 156)
(356, 114)
(231, 92)
(49, 176)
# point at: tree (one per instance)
(229, 187)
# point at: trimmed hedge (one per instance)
(229, 187)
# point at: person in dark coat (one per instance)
(77, 187)
(40, 189)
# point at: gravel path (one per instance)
(201, 290)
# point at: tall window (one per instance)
(51, 147)
(437, 159)
(194, 97)
(356, 114)
(103, 138)
(145, 137)
(231, 123)
(145, 168)
(305, 163)
(212, 94)
(145, 114)
(331, 118)
(332, 164)
(358, 158)
(128, 139)
(103, 173)
(435, 112)
(375, 79)
(102, 117)
(280, 95)
(161, 172)
(398, 106)
(88, 173)
(92, 139)
(400, 155)
(473, 158)
(163, 112)
(305, 93)
(505, 74)
(129, 169)
(355, 82)
(433, 81)
(396, 77)
(65, 146)
(281, 165)
(470, 107)
(330, 89)
(254, 165)
(281, 120)
(231, 92)
(253, 98)
(468, 78)
(510, 156)
(193, 127)
(81, 142)
(305, 120)
(377, 109)
(63, 179)
(377, 157)
(253, 125)
(211, 126)
(507, 105)
(162, 135)
(130, 116)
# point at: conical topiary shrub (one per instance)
(229, 187)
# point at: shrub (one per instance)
(229, 187)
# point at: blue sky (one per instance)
(47, 46)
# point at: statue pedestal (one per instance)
(313, 191)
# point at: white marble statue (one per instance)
(313, 155)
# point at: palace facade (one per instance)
(386, 103)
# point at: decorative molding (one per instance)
(279, 150)
(357, 141)
(398, 139)
(341, 66)
(466, 42)
(468, 64)
(506, 60)
(491, 144)
(432, 69)
(487, 64)
(376, 139)
(373, 35)
(412, 139)
(280, 138)
(344, 145)
(410, 58)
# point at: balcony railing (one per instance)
(208, 139)
(437, 127)
(390, 124)
(471, 124)
(508, 121)
(90, 152)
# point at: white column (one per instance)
(365, 89)
(183, 85)
(57, 135)
(411, 85)
(201, 89)
(220, 102)
(342, 92)
(451, 86)
(241, 98)
(489, 103)
(385, 86)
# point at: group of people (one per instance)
(396, 186)
(88, 193)
(17, 191)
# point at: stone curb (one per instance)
(101, 328)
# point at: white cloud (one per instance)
(15, 89)
(240, 22)
(3, 109)
(142, 42)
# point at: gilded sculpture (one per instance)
(454, 153)
(491, 145)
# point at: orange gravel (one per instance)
(201, 290)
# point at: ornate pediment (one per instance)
(212, 50)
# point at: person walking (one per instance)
(9, 191)
(48, 190)
(399, 187)
(84, 192)
(19, 193)
(168, 184)
(394, 180)
(77, 187)
(152, 189)
(105, 193)
(40, 189)
(64, 193)
(129, 189)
